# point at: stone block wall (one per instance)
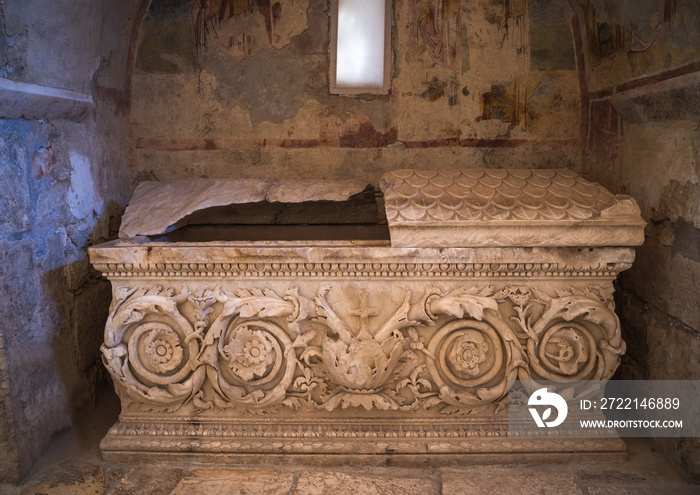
(63, 154)
(45, 282)
(643, 83)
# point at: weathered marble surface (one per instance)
(303, 344)
(496, 207)
(156, 206)
(356, 346)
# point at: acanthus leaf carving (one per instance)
(203, 301)
(420, 387)
(461, 302)
(595, 292)
(358, 370)
(261, 303)
(575, 336)
(330, 319)
(264, 350)
(398, 321)
(145, 347)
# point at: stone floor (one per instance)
(73, 466)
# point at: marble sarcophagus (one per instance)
(368, 346)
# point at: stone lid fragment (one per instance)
(498, 207)
(156, 207)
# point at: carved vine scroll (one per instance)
(252, 350)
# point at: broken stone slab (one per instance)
(158, 207)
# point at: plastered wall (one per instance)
(240, 89)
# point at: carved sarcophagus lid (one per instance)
(264, 316)
(497, 207)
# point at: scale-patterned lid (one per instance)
(498, 207)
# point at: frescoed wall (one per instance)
(240, 88)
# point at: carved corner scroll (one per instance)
(448, 350)
(148, 347)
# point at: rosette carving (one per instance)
(255, 363)
(471, 359)
(147, 349)
(251, 358)
(469, 352)
(250, 352)
(578, 339)
(162, 348)
(571, 337)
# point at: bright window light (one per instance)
(359, 46)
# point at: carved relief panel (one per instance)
(442, 348)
